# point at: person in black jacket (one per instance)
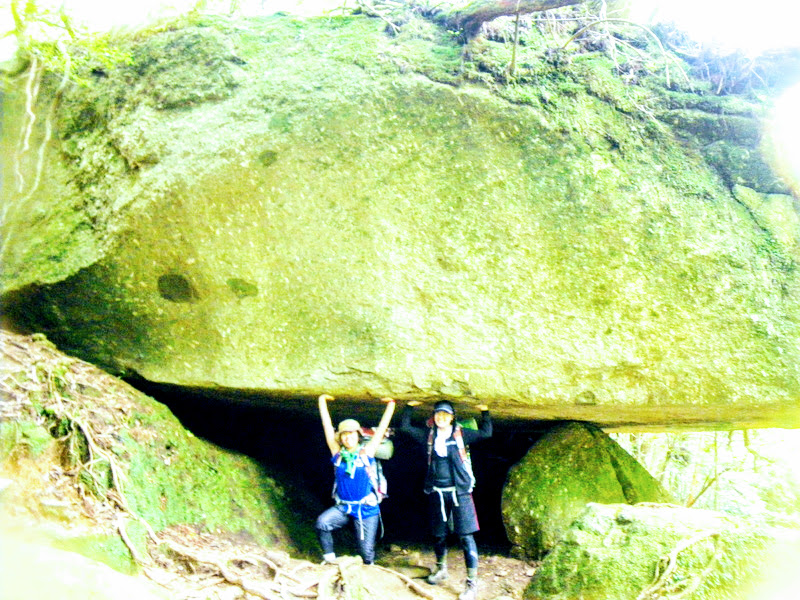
(448, 484)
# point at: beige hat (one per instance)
(348, 425)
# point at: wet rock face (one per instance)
(327, 221)
(571, 466)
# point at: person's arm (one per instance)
(417, 433)
(485, 428)
(327, 424)
(372, 446)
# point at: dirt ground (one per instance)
(237, 573)
(499, 576)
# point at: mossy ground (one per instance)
(79, 446)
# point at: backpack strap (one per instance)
(372, 472)
(371, 469)
(463, 453)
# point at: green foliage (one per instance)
(614, 552)
(746, 473)
(23, 439)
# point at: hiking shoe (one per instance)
(438, 577)
(470, 591)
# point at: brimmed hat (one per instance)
(444, 406)
(346, 426)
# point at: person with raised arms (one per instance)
(448, 483)
(356, 488)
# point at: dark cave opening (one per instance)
(290, 445)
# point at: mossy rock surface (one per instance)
(570, 466)
(621, 552)
(315, 205)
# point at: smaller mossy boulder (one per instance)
(570, 466)
(643, 552)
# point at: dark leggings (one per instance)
(468, 546)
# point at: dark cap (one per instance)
(444, 406)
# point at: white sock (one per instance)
(330, 557)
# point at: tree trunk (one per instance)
(470, 18)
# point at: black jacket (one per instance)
(462, 471)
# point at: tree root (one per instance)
(225, 572)
(31, 95)
(123, 533)
(408, 581)
(667, 56)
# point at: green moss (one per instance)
(176, 478)
(571, 465)
(612, 553)
(23, 439)
(242, 288)
(107, 549)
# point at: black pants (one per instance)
(468, 546)
(460, 509)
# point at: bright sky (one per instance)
(742, 24)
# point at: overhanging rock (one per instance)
(307, 213)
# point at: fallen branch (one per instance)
(469, 18)
(371, 11)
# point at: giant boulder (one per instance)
(571, 466)
(285, 207)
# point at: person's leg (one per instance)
(366, 531)
(439, 530)
(470, 549)
(466, 524)
(328, 522)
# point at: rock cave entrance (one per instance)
(290, 446)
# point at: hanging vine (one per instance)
(48, 42)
